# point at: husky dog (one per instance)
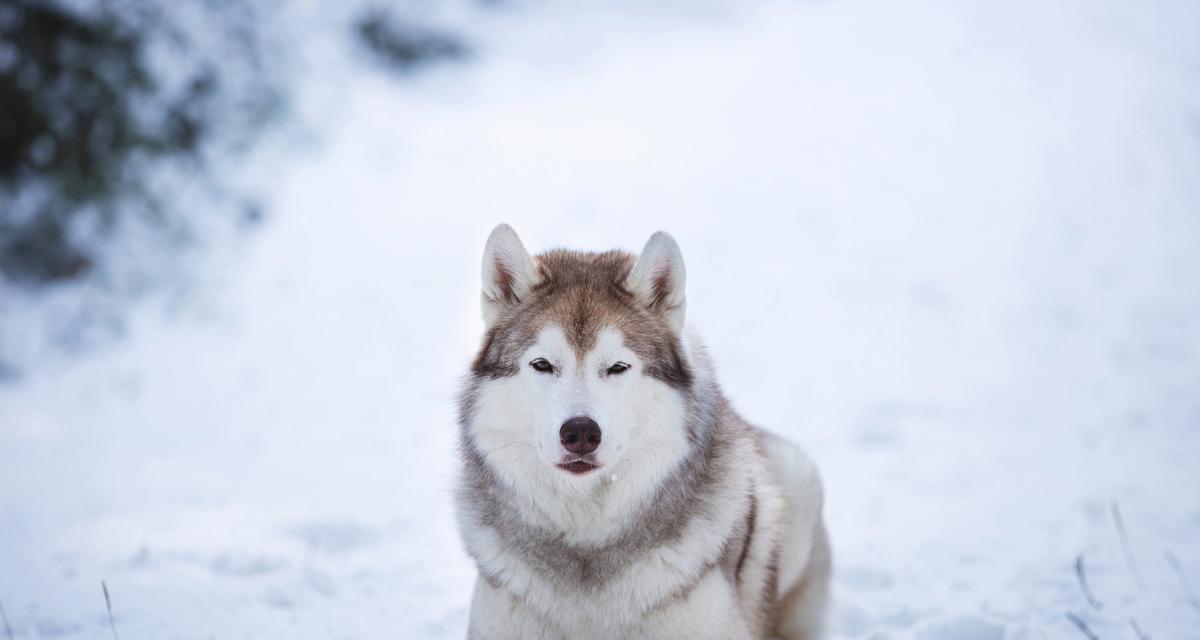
(608, 489)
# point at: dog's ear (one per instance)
(508, 273)
(658, 279)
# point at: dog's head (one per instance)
(582, 360)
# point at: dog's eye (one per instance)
(542, 365)
(617, 368)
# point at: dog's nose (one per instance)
(580, 435)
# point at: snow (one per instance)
(952, 248)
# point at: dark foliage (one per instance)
(84, 116)
(406, 47)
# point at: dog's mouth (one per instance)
(579, 466)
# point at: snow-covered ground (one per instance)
(953, 248)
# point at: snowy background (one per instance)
(952, 248)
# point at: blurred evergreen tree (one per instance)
(404, 46)
(92, 100)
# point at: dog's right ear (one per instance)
(508, 273)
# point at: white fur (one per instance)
(625, 604)
(673, 590)
(518, 424)
(592, 509)
(708, 612)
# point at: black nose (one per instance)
(580, 435)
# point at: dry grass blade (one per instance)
(1183, 580)
(1082, 626)
(4, 618)
(1119, 522)
(108, 605)
(1081, 577)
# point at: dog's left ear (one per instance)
(508, 273)
(658, 279)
